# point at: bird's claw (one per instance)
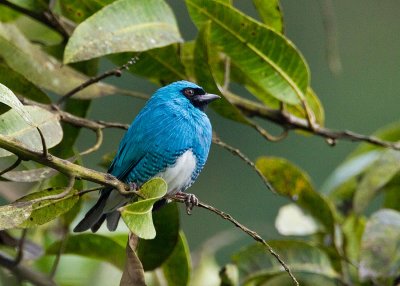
(190, 200)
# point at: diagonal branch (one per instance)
(246, 230)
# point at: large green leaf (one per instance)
(28, 212)
(161, 65)
(257, 266)
(44, 70)
(123, 26)
(290, 181)
(271, 14)
(21, 85)
(138, 215)
(8, 98)
(177, 267)
(204, 62)
(95, 246)
(380, 247)
(79, 10)
(266, 56)
(378, 175)
(154, 252)
(14, 126)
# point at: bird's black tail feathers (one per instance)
(95, 217)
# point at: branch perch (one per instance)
(246, 230)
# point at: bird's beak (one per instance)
(207, 98)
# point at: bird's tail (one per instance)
(101, 211)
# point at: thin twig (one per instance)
(238, 153)
(20, 252)
(41, 17)
(97, 145)
(84, 192)
(25, 273)
(246, 230)
(273, 138)
(57, 196)
(114, 72)
(12, 167)
(60, 251)
(43, 141)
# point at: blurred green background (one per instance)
(362, 98)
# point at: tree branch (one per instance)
(63, 166)
(246, 230)
(282, 118)
(46, 17)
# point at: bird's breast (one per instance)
(179, 175)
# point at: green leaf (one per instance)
(138, 215)
(177, 267)
(153, 253)
(8, 98)
(229, 275)
(123, 26)
(264, 55)
(12, 125)
(31, 175)
(79, 10)
(353, 228)
(257, 265)
(107, 159)
(44, 70)
(380, 247)
(21, 85)
(290, 181)
(291, 220)
(204, 60)
(378, 175)
(27, 213)
(271, 14)
(8, 14)
(161, 65)
(93, 246)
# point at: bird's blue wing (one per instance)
(155, 140)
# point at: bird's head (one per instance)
(187, 91)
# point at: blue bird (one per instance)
(170, 138)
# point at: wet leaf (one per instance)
(204, 61)
(47, 210)
(93, 246)
(79, 10)
(44, 70)
(23, 213)
(290, 181)
(21, 85)
(114, 29)
(152, 253)
(377, 175)
(29, 176)
(8, 98)
(138, 215)
(257, 265)
(12, 125)
(178, 265)
(380, 247)
(271, 14)
(266, 56)
(161, 65)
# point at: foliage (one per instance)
(345, 244)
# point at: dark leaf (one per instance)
(133, 274)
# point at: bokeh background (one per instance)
(362, 97)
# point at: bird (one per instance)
(169, 138)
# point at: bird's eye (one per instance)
(189, 92)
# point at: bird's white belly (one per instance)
(179, 175)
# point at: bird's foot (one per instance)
(190, 200)
(133, 188)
